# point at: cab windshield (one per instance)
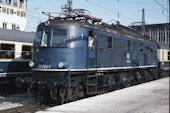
(42, 37)
(59, 37)
(54, 38)
(38, 38)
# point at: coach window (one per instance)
(162, 55)
(168, 55)
(109, 41)
(7, 50)
(26, 52)
(129, 45)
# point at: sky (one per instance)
(110, 11)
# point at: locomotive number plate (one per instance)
(44, 66)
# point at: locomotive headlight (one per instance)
(31, 64)
(60, 64)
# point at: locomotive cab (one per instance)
(60, 47)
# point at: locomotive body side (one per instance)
(74, 51)
(65, 68)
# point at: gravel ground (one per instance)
(13, 101)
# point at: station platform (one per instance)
(150, 97)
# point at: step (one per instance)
(92, 76)
(92, 84)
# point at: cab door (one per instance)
(92, 58)
(92, 53)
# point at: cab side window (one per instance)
(109, 41)
(129, 45)
(91, 39)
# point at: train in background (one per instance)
(77, 55)
(163, 53)
(15, 55)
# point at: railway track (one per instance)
(13, 101)
(7, 89)
(11, 96)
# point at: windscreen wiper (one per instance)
(60, 43)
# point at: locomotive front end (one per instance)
(58, 48)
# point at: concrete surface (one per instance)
(151, 97)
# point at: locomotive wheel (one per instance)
(138, 78)
(124, 82)
(160, 74)
(128, 81)
(53, 94)
(155, 74)
(73, 94)
(81, 91)
(33, 91)
(131, 79)
(19, 82)
(101, 91)
(152, 74)
(150, 77)
(145, 76)
(112, 83)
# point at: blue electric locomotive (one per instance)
(74, 58)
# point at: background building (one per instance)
(13, 14)
(158, 32)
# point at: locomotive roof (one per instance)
(17, 36)
(116, 29)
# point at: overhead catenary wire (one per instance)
(36, 10)
(161, 6)
(43, 5)
(110, 10)
(149, 8)
(36, 17)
